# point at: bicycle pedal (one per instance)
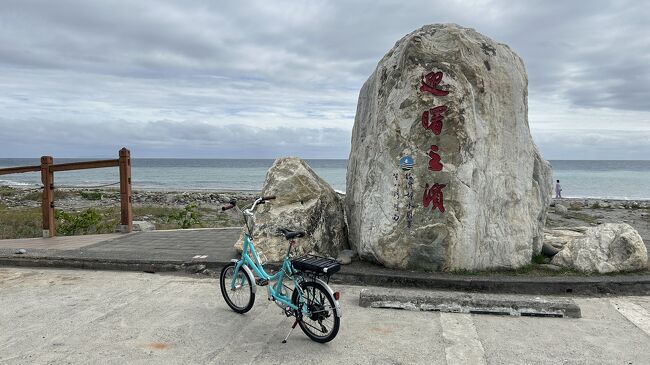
(262, 282)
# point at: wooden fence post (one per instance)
(47, 201)
(125, 191)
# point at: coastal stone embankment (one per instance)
(79, 198)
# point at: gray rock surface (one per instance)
(561, 209)
(497, 187)
(607, 248)
(303, 202)
(346, 256)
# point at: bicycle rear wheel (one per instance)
(322, 325)
(240, 298)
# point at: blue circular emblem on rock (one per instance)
(406, 163)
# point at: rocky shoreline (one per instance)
(79, 198)
(567, 212)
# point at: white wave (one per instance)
(13, 183)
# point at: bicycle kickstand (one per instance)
(289, 334)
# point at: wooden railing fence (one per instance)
(48, 168)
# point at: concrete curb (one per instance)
(472, 303)
(363, 274)
(630, 284)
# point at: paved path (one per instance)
(108, 317)
(169, 245)
(58, 243)
(207, 250)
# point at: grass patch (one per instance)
(92, 195)
(20, 223)
(531, 270)
(31, 196)
(7, 191)
(538, 259)
(89, 221)
(64, 194)
(26, 222)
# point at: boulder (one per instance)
(142, 226)
(443, 173)
(561, 209)
(559, 237)
(607, 248)
(303, 202)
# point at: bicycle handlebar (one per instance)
(226, 207)
(270, 197)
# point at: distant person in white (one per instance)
(558, 190)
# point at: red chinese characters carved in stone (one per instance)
(432, 119)
(434, 159)
(430, 82)
(433, 195)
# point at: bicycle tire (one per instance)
(315, 294)
(240, 307)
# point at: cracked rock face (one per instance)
(304, 202)
(472, 190)
(607, 248)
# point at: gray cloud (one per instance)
(171, 139)
(589, 144)
(289, 65)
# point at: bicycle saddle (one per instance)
(291, 234)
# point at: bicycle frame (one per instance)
(274, 291)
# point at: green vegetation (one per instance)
(7, 191)
(538, 259)
(27, 222)
(186, 218)
(531, 269)
(89, 221)
(20, 223)
(92, 195)
(31, 196)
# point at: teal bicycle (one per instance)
(308, 298)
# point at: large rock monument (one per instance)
(304, 202)
(443, 173)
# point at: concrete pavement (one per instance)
(109, 317)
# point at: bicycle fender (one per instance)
(248, 273)
(337, 306)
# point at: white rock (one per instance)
(497, 186)
(561, 209)
(304, 202)
(558, 238)
(141, 226)
(607, 248)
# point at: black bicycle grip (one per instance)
(226, 207)
(270, 197)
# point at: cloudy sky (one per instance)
(262, 79)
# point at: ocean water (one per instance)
(579, 179)
(175, 174)
(609, 179)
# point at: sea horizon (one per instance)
(590, 179)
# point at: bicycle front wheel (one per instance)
(322, 324)
(240, 298)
